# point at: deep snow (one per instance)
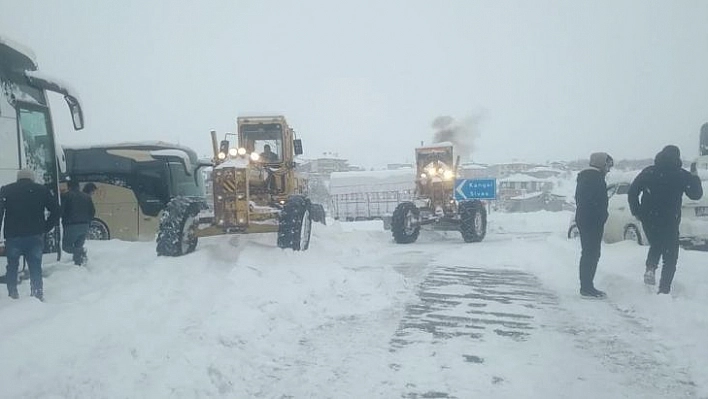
(240, 318)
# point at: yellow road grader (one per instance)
(256, 188)
(434, 205)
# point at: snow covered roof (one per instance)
(544, 169)
(147, 145)
(519, 177)
(527, 196)
(473, 166)
(16, 54)
(53, 84)
(372, 181)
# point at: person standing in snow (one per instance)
(77, 211)
(590, 216)
(22, 205)
(662, 186)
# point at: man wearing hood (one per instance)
(590, 217)
(661, 187)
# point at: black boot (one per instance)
(36, 290)
(592, 292)
(667, 276)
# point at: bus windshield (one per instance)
(184, 184)
(38, 151)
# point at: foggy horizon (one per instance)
(540, 81)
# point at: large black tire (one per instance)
(295, 224)
(318, 214)
(98, 231)
(404, 223)
(176, 235)
(473, 221)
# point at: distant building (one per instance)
(473, 170)
(394, 166)
(521, 184)
(502, 170)
(543, 172)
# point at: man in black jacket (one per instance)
(22, 205)
(662, 186)
(77, 211)
(590, 217)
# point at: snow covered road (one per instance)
(359, 316)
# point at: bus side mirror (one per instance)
(77, 115)
(297, 143)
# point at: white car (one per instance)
(620, 225)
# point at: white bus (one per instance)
(27, 137)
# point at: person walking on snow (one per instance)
(22, 204)
(77, 211)
(590, 216)
(661, 187)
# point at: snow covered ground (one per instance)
(358, 316)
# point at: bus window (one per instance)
(184, 184)
(150, 187)
(37, 144)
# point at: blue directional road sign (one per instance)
(466, 189)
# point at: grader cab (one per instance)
(256, 188)
(434, 205)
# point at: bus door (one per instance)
(152, 191)
(117, 208)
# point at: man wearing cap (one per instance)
(22, 208)
(655, 197)
(590, 217)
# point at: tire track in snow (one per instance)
(464, 303)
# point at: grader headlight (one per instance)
(448, 175)
(221, 155)
(241, 151)
(233, 152)
(255, 156)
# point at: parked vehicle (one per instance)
(135, 182)
(26, 127)
(620, 225)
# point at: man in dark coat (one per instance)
(23, 205)
(267, 155)
(77, 211)
(590, 217)
(662, 186)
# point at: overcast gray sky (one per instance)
(365, 79)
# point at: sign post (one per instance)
(482, 189)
